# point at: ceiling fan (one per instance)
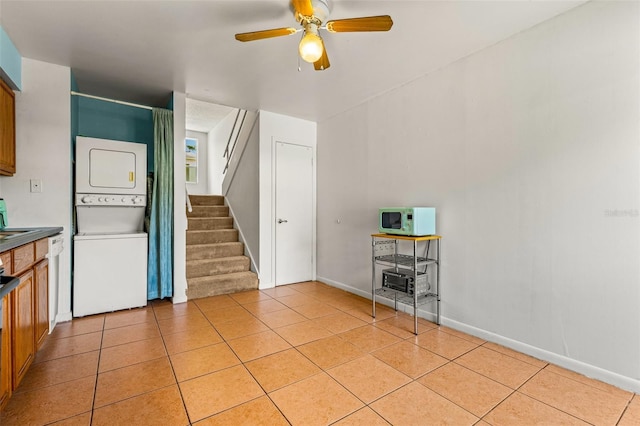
(311, 15)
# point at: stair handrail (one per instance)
(244, 135)
(186, 191)
(235, 121)
(229, 152)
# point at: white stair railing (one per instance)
(233, 137)
(186, 191)
(243, 129)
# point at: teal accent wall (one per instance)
(74, 114)
(74, 83)
(108, 120)
(10, 62)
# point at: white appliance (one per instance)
(56, 246)
(110, 248)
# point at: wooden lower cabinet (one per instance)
(25, 314)
(22, 342)
(5, 356)
(41, 305)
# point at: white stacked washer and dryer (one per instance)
(110, 246)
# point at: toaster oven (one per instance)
(402, 280)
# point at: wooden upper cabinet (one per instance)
(7, 130)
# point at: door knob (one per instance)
(282, 221)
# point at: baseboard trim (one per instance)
(610, 377)
(176, 299)
(63, 317)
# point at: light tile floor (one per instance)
(303, 354)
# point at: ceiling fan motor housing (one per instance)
(321, 10)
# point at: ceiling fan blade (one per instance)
(259, 35)
(368, 23)
(322, 63)
(303, 7)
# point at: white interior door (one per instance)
(294, 213)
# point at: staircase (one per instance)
(215, 258)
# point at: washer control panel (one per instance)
(111, 200)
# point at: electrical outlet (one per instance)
(36, 185)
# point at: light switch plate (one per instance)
(36, 185)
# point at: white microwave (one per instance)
(413, 221)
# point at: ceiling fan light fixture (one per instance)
(311, 46)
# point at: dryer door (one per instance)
(110, 167)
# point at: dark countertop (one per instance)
(30, 235)
(7, 284)
(7, 243)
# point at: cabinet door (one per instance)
(23, 258)
(42, 248)
(7, 130)
(22, 328)
(5, 356)
(41, 302)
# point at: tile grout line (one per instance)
(492, 379)
(342, 309)
(325, 370)
(244, 366)
(412, 380)
(539, 369)
(625, 410)
(558, 408)
(95, 386)
(322, 370)
(173, 371)
(517, 390)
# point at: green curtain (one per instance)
(160, 269)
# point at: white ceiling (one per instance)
(141, 51)
(203, 116)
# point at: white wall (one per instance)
(243, 197)
(202, 186)
(529, 151)
(274, 128)
(43, 151)
(179, 201)
(218, 139)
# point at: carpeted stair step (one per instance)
(209, 223)
(213, 251)
(221, 284)
(214, 236)
(208, 211)
(206, 200)
(215, 258)
(223, 265)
